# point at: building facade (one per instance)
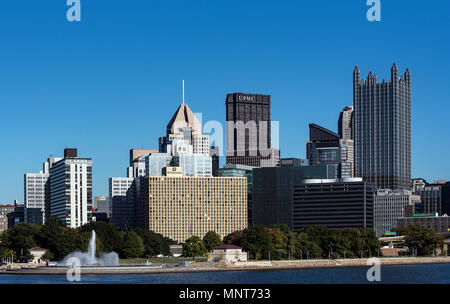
(4, 211)
(36, 193)
(249, 131)
(241, 171)
(214, 152)
(121, 209)
(418, 184)
(440, 224)
(326, 147)
(273, 188)
(181, 207)
(391, 205)
(71, 189)
(336, 204)
(17, 215)
(382, 129)
(345, 123)
(137, 162)
(435, 198)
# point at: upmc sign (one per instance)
(246, 98)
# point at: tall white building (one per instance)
(71, 189)
(36, 193)
(389, 205)
(35, 185)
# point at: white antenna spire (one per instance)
(183, 92)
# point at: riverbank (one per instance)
(215, 267)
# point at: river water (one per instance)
(399, 274)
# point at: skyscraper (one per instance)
(345, 123)
(382, 129)
(249, 131)
(325, 147)
(36, 193)
(71, 189)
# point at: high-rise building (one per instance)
(345, 123)
(71, 189)
(184, 125)
(389, 206)
(249, 131)
(326, 147)
(179, 207)
(435, 198)
(336, 204)
(36, 193)
(382, 129)
(272, 190)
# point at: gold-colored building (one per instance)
(180, 207)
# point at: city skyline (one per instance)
(105, 123)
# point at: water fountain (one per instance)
(89, 258)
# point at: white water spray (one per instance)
(89, 258)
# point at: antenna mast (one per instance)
(183, 92)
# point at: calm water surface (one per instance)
(402, 274)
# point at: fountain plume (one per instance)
(89, 258)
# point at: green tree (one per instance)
(279, 239)
(371, 245)
(132, 246)
(306, 248)
(421, 240)
(48, 256)
(338, 245)
(319, 235)
(256, 240)
(109, 236)
(6, 253)
(154, 243)
(67, 241)
(234, 238)
(211, 240)
(194, 247)
(20, 238)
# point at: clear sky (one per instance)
(113, 81)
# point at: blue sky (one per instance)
(113, 81)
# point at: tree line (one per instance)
(60, 240)
(276, 242)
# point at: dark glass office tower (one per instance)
(382, 129)
(323, 146)
(244, 147)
